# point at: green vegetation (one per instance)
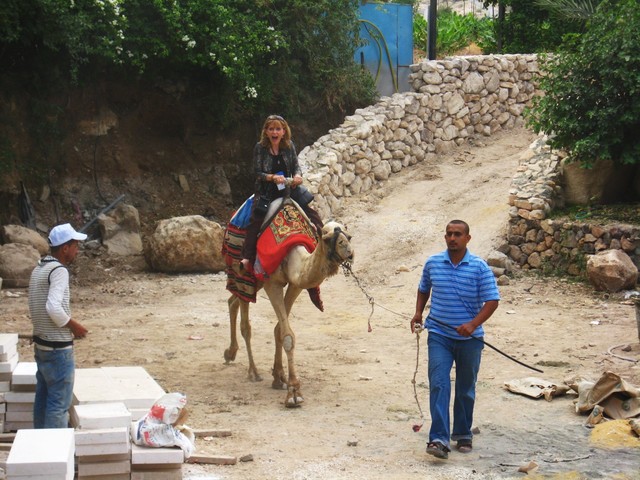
(592, 86)
(292, 55)
(533, 27)
(600, 214)
(455, 32)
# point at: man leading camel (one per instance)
(463, 295)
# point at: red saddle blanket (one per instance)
(287, 229)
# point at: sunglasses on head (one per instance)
(275, 117)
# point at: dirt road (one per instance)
(357, 420)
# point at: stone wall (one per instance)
(453, 100)
(561, 245)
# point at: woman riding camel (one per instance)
(274, 159)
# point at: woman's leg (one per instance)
(251, 239)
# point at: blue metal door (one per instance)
(387, 29)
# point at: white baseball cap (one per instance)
(63, 233)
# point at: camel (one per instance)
(298, 271)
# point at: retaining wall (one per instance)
(453, 100)
(560, 245)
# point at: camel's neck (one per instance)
(309, 270)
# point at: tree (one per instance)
(530, 28)
(292, 55)
(570, 9)
(591, 101)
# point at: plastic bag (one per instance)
(164, 425)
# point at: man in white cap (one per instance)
(54, 329)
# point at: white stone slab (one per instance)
(131, 385)
(100, 415)
(157, 456)
(24, 373)
(10, 365)
(175, 474)
(10, 351)
(118, 457)
(19, 416)
(103, 449)
(20, 397)
(138, 413)
(119, 476)
(19, 407)
(7, 340)
(5, 387)
(46, 476)
(35, 452)
(103, 468)
(3, 408)
(103, 435)
(15, 426)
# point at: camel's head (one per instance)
(337, 240)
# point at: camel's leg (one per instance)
(285, 339)
(234, 305)
(279, 379)
(245, 329)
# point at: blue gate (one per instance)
(387, 29)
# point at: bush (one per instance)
(455, 32)
(530, 28)
(283, 54)
(591, 99)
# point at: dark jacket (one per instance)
(263, 165)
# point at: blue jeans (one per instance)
(466, 354)
(54, 388)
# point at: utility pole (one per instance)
(432, 32)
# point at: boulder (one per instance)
(606, 182)
(17, 261)
(120, 230)
(500, 261)
(612, 271)
(186, 244)
(26, 236)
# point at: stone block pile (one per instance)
(46, 454)
(106, 403)
(103, 444)
(20, 399)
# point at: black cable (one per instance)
(429, 317)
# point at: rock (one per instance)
(26, 236)
(17, 261)
(612, 271)
(186, 244)
(600, 184)
(499, 260)
(120, 230)
(502, 280)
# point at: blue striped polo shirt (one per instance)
(457, 292)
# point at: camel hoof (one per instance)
(229, 355)
(254, 377)
(294, 398)
(278, 385)
(294, 402)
